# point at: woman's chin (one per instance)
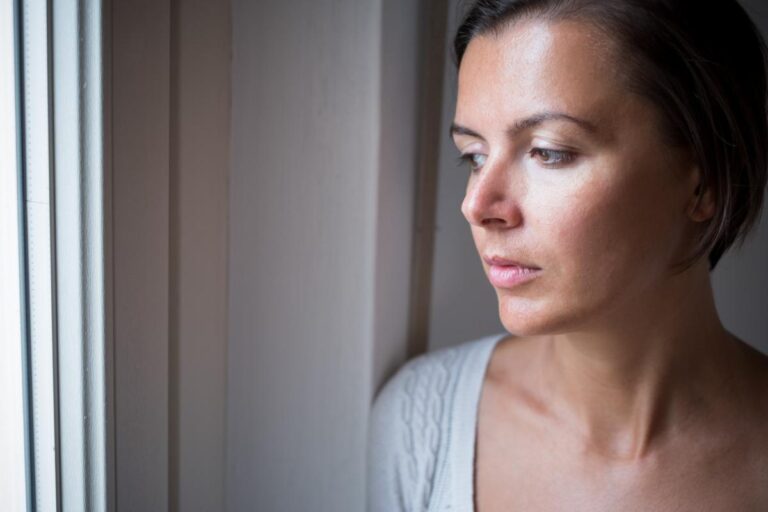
(522, 327)
(523, 319)
(522, 323)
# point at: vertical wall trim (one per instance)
(169, 108)
(109, 289)
(434, 20)
(140, 55)
(199, 91)
(174, 259)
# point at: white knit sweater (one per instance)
(421, 444)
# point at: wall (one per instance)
(321, 198)
(464, 305)
(199, 176)
(258, 305)
(168, 130)
(139, 129)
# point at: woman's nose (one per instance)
(492, 198)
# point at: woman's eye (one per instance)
(552, 157)
(475, 160)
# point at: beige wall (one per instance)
(321, 199)
(169, 128)
(200, 143)
(263, 175)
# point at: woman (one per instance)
(616, 150)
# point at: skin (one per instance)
(620, 389)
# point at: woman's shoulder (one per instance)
(410, 424)
(428, 377)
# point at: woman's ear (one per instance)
(701, 205)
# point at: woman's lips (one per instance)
(507, 262)
(508, 276)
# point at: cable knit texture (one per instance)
(410, 431)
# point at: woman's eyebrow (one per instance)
(457, 129)
(529, 122)
(542, 117)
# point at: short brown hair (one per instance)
(703, 64)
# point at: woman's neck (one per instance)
(641, 375)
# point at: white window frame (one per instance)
(14, 454)
(62, 169)
(80, 253)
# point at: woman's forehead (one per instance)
(565, 66)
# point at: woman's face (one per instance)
(569, 173)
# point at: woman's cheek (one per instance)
(587, 233)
